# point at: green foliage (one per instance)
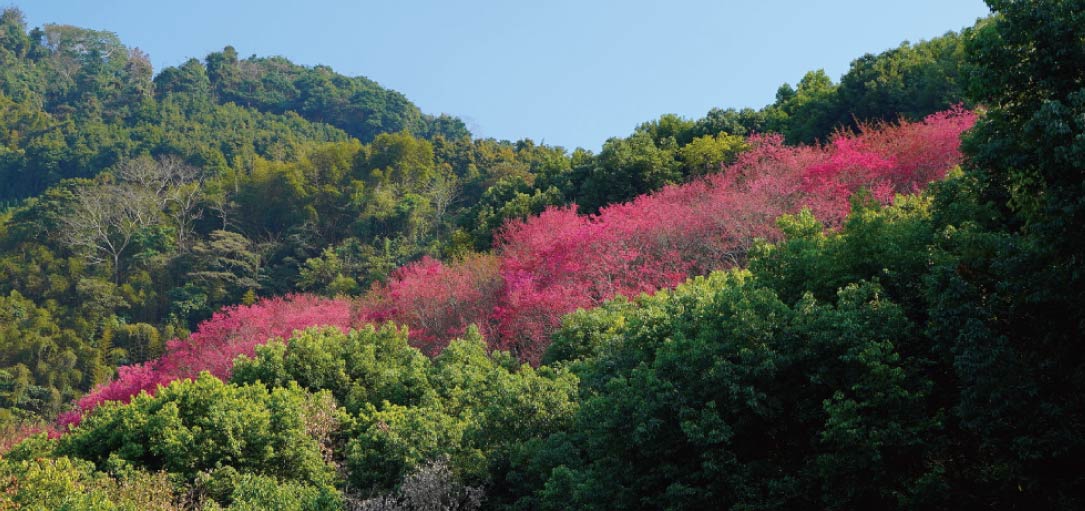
(954, 398)
(718, 394)
(397, 438)
(364, 366)
(210, 114)
(225, 266)
(41, 366)
(356, 105)
(707, 154)
(261, 493)
(466, 405)
(141, 342)
(509, 199)
(399, 161)
(911, 81)
(1007, 291)
(629, 167)
(193, 426)
(586, 333)
(888, 245)
(72, 485)
(807, 110)
(326, 273)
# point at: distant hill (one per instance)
(75, 101)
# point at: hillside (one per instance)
(158, 201)
(76, 101)
(864, 295)
(555, 263)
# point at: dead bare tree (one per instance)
(173, 185)
(184, 209)
(443, 192)
(144, 173)
(102, 222)
(432, 487)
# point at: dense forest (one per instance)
(243, 283)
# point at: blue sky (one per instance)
(570, 73)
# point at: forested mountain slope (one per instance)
(150, 203)
(555, 263)
(891, 318)
(76, 101)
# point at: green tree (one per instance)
(720, 395)
(71, 484)
(628, 167)
(357, 368)
(225, 266)
(707, 154)
(466, 405)
(809, 110)
(193, 426)
(400, 161)
(1006, 295)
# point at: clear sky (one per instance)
(570, 73)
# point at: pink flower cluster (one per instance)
(230, 332)
(559, 261)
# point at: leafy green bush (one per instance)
(193, 426)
